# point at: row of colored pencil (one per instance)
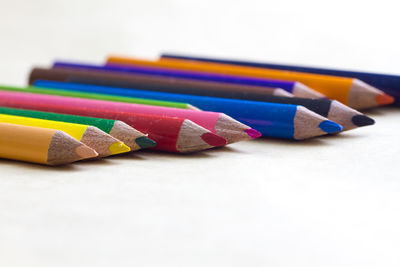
(73, 111)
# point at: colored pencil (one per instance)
(102, 143)
(388, 83)
(349, 91)
(218, 123)
(271, 119)
(41, 145)
(331, 109)
(113, 98)
(171, 134)
(147, 78)
(118, 129)
(139, 81)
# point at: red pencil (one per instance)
(170, 133)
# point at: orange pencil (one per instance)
(349, 91)
(41, 145)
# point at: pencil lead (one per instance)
(362, 120)
(253, 133)
(145, 142)
(118, 148)
(231, 129)
(103, 143)
(213, 139)
(85, 152)
(384, 99)
(330, 126)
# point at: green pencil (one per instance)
(118, 129)
(143, 101)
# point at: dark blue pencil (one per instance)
(296, 88)
(271, 119)
(388, 83)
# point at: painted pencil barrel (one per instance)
(271, 119)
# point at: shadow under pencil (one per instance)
(34, 166)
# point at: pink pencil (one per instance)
(218, 123)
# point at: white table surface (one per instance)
(331, 201)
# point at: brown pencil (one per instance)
(295, 88)
(145, 82)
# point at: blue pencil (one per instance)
(296, 88)
(271, 119)
(388, 83)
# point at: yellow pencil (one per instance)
(41, 145)
(103, 143)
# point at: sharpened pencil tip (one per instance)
(330, 126)
(253, 133)
(145, 142)
(384, 99)
(213, 139)
(362, 120)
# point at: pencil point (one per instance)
(118, 148)
(145, 142)
(384, 99)
(192, 137)
(85, 152)
(330, 126)
(253, 133)
(362, 120)
(213, 139)
(231, 129)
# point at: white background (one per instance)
(331, 201)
